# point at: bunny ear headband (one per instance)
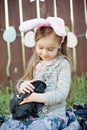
(56, 23)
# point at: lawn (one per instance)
(78, 94)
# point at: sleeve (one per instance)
(63, 85)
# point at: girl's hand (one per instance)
(35, 97)
(26, 86)
(27, 99)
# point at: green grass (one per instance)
(6, 93)
(78, 94)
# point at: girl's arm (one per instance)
(26, 86)
(63, 85)
(35, 97)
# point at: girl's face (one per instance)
(47, 48)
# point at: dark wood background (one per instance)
(16, 68)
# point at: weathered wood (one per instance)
(80, 28)
(3, 47)
(30, 11)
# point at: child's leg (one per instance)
(47, 123)
(44, 123)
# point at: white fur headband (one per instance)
(56, 23)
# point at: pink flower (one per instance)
(30, 118)
(39, 67)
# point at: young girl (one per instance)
(50, 64)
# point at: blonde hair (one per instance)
(42, 32)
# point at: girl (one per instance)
(50, 64)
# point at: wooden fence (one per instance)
(14, 56)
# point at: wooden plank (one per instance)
(29, 12)
(16, 67)
(80, 28)
(43, 9)
(46, 8)
(63, 11)
(3, 47)
(29, 9)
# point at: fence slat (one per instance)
(29, 12)
(80, 28)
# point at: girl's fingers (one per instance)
(26, 87)
(23, 90)
(30, 85)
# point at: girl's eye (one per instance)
(40, 47)
(50, 49)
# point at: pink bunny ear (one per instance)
(55, 22)
(58, 25)
(31, 24)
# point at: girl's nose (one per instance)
(44, 53)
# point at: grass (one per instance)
(78, 94)
(6, 93)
